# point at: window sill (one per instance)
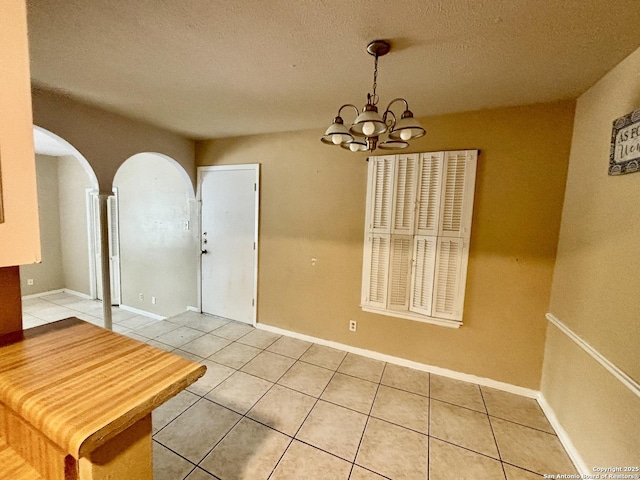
(413, 316)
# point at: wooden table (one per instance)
(76, 401)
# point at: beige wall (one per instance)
(595, 286)
(158, 256)
(73, 183)
(19, 236)
(47, 275)
(62, 184)
(313, 203)
(106, 139)
(598, 412)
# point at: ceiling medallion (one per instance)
(368, 126)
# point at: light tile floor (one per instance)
(273, 407)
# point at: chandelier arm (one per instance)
(348, 105)
(399, 99)
(389, 122)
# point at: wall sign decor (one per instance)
(624, 156)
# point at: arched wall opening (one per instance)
(64, 176)
(48, 143)
(158, 235)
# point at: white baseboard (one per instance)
(465, 377)
(42, 294)
(144, 313)
(193, 309)
(563, 436)
(84, 296)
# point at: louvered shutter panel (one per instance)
(94, 205)
(424, 263)
(448, 291)
(375, 271)
(400, 272)
(95, 212)
(458, 180)
(429, 187)
(380, 197)
(114, 248)
(404, 199)
(419, 211)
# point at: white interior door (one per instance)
(229, 213)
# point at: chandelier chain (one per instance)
(374, 97)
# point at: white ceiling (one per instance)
(215, 68)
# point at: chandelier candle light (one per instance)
(364, 134)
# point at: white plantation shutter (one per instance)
(95, 212)
(376, 269)
(447, 282)
(95, 239)
(458, 179)
(423, 268)
(404, 199)
(399, 272)
(429, 187)
(381, 184)
(114, 248)
(419, 210)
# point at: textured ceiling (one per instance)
(210, 69)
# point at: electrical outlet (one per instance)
(353, 325)
(140, 297)
(153, 300)
(29, 281)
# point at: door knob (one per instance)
(204, 252)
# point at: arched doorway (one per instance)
(158, 235)
(64, 177)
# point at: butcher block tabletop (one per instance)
(81, 385)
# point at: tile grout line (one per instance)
(172, 451)
(429, 431)
(522, 468)
(202, 397)
(490, 415)
(364, 430)
(305, 418)
(242, 416)
(465, 448)
(495, 440)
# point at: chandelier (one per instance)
(366, 130)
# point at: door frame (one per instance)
(249, 166)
